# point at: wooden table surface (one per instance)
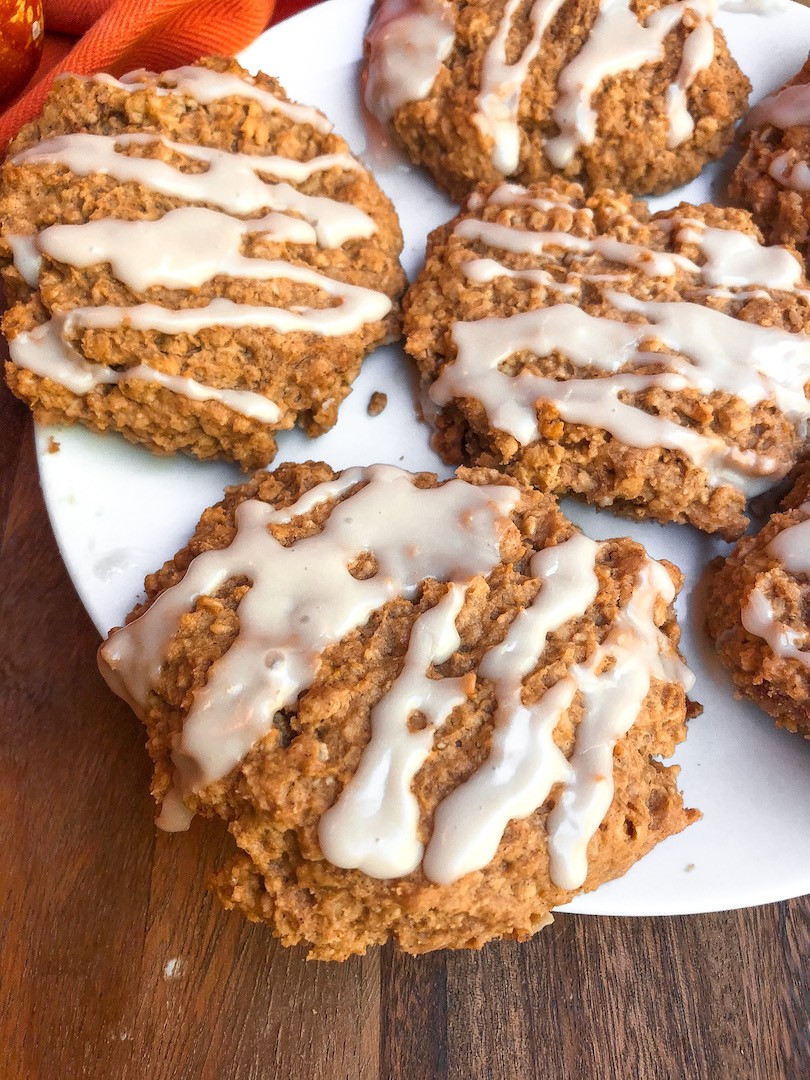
(116, 964)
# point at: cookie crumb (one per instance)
(376, 403)
(53, 446)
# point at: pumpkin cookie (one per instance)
(193, 261)
(427, 711)
(758, 612)
(654, 364)
(637, 96)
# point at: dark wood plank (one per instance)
(74, 872)
(414, 1014)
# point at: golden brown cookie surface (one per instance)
(193, 261)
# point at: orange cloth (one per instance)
(119, 35)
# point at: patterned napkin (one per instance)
(119, 35)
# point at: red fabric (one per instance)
(119, 35)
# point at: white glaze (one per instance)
(517, 195)
(359, 306)
(524, 762)
(184, 249)
(290, 614)
(788, 107)
(26, 257)
(790, 172)
(612, 702)
(524, 241)
(206, 86)
(407, 42)
(46, 352)
(232, 182)
(792, 548)
(486, 270)
(721, 353)
(618, 42)
(373, 826)
(498, 102)
(733, 259)
(698, 54)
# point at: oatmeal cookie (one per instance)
(656, 364)
(758, 612)
(427, 711)
(773, 178)
(193, 261)
(637, 96)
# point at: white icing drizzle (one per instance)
(46, 352)
(290, 613)
(206, 86)
(524, 762)
(731, 258)
(516, 195)
(359, 306)
(232, 182)
(373, 826)
(183, 249)
(174, 815)
(191, 245)
(521, 241)
(719, 352)
(792, 548)
(734, 258)
(498, 102)
(485, 270)
(612, 701)
(407, 42)
(790, 172)
(26, 257)
(723, 353)
(618, 42)
(788, 107)
(713, 343)
(698, 54)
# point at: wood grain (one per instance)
(116, 963)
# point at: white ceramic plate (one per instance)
(118, 512)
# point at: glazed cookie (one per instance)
(653, 364)
(758, 612)
(773, 177)
(426, 711)
(637, 96)
(193, 261)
